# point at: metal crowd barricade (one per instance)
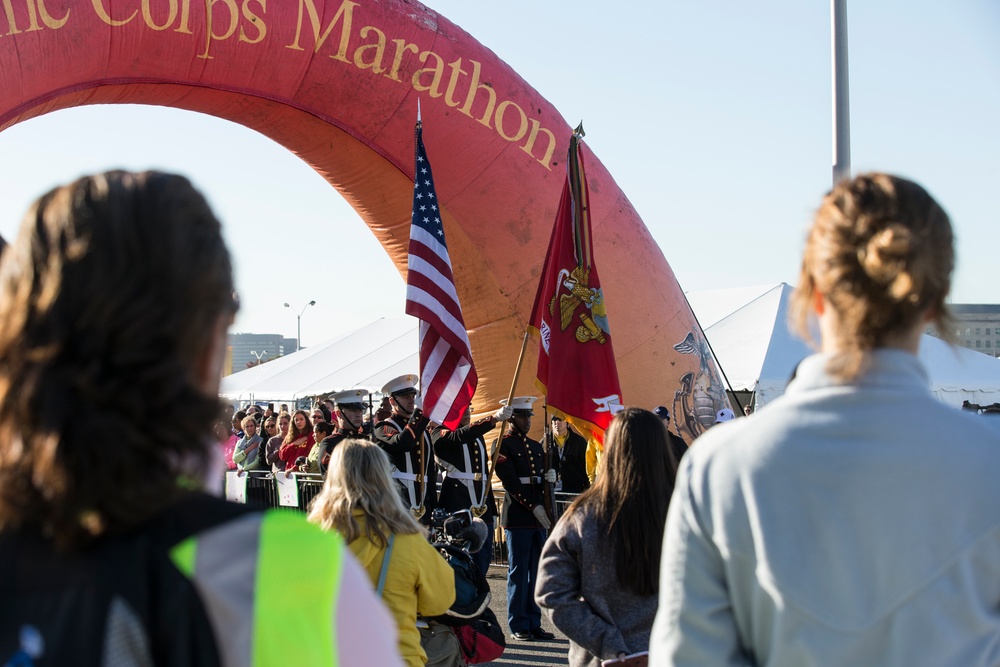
(263, 489)
(309, 487)
(563, 501)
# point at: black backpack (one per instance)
(472, 591)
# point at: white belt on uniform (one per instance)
(455, 474)
(408, 476)
(530, 480)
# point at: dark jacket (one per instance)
(327, 445)
(521, 458)
(451, 447)
(191, 587)
(573, 463)
(677, 446)
(405, 441)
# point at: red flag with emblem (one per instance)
(576, 358)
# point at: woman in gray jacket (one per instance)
(598, 572)
(856, 519)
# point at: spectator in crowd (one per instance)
(359, 500)
(298, 442)
(274, 443)
(269, 429)
(572, 457)
(854, 521)
(724, 415)
(227, 443)
(227, 412)
(321, 431)
(384, 410)
(520, 468)
(284, 408)
(248, 449)
(119, 288)
(598, 574)
(237, 426)
(677, 444)
(595, 450)
(320, 414)
(462, 456)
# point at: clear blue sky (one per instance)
(714, 118)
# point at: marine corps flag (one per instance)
(576, 360)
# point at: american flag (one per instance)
(447, 375)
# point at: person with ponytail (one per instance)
(856, 519)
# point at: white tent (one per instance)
(368, 358)
(749, 333)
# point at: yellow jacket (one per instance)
(419, 581)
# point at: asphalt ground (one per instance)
(518, 653)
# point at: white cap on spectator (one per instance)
(724, 415)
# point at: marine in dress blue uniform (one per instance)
(520, 468)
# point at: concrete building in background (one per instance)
(977, 327)
(249, 349)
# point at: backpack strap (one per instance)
(385, 566)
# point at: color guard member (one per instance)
(405, 439)
(520, 468)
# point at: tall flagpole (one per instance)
(841, 93)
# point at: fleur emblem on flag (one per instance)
(594, 319)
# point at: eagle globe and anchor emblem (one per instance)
(594, 319)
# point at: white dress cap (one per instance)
(350, 398)
(404, 383)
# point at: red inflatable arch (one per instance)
(337, 83)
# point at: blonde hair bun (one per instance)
(884, 259)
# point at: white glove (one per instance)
(550, 476)
(504, 413)
(542, 517)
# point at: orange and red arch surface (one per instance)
(336, 82)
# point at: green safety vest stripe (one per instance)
(298, 585)
(292, 593)
(184, 554)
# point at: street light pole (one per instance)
(841, 93)
(254, 353)
(298, 318)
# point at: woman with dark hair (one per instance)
(599, 569)
(854, 520)
(118, 291)
(298, 442)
